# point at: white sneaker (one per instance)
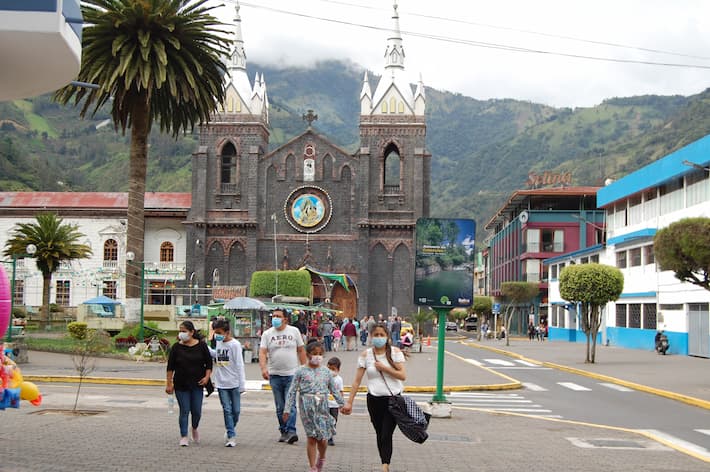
(231, 442)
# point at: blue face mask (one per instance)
(276, 322)
(379, 342)
(219, 337)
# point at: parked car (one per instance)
(471, 323)
(406, 327)
(451, 326)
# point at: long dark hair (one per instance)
(388, 346)
(187, 324)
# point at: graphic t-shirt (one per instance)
(228, 365)
(282, 349)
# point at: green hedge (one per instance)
(292, 283)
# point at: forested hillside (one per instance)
(481, 149)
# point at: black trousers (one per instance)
(384, 425)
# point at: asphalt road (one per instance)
(556, 394)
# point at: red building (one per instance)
(534, 225)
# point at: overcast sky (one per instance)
(678, 27)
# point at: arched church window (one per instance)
(400, 107)
(110, 250)
(167, 252)
(391, 169)
(228, 171)
(383, 108)
(393, 105)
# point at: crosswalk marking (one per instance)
(474, 362)
(613, 386)
(509, 402)
(703, 431)
(499, 362)
(574, 386)
(529, 364)
(682, 443)
(534, 387)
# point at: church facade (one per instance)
(309, 202)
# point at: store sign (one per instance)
(544, 179)
(227, 292)
(443, 273)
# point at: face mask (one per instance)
(183, 336)
(379, 342)
(219, 337)
(334, 373)
(276, 322)
(316, 360)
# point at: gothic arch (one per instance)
(328, 164)
(237, 264)
(290, 167)
(214, 260)
(391, 168)
(346, 172)
(379, 262)
(228, 167)
(402, 275)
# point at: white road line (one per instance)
(613, 386)
(574, 386)
(534, 387)
(474, 362)
(520, 367)
(703, 431)
(694, 448)
(499, 362)
(523, 410)
(529, 364)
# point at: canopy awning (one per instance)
(343, 279)
(101, 300)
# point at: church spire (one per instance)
(238, 58)
(394, 54)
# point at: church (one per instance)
(309, 202)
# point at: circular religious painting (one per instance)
(308, 209)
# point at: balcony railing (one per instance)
(391, 189)
(228, 188)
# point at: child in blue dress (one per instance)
(314, 382)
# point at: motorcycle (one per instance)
(662, 343)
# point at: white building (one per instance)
(101, 217)
(40, 46)
(674, 187)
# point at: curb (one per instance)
(698, 402)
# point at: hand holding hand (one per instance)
(346, 409)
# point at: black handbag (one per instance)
(209, 387)
(410, 419)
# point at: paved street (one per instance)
(491, 430)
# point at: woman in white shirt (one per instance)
(384, 365)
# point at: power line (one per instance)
(518, 30)
(482, 44)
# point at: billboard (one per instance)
(445, 257)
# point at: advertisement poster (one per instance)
(444, 262)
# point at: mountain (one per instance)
(481, 150)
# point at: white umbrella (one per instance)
(245, 303)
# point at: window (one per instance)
(650, 206)
(634, 315)
(19, 295)
(391, 170)
(671, 196)
(697, 188)
(649, 256)
(635, 257)
(620, 315)
(649, 316)
(228, 172)
(619, 216)
(553, 271)
(63, 292)
(532, 238)
(167, 252)
(584, 260)
(594, 259)
(635, 210)
(672, 307)
(532, 272)
(552, 240)
(109, 288)
(621, 259)
(110, 250)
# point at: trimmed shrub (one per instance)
(292, 283)
(77, 330)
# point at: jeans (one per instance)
(189, 401)
(328, 341)
(279, 387)
(230, 400)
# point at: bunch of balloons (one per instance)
(13, 388)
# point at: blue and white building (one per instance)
(674, 187)
(40, 46)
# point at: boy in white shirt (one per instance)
(228, 375)
(334, 366)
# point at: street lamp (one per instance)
(130, 255)
(276, 255)
(29, 251)
(592, 224)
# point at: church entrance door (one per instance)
(345, 301)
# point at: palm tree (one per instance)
(55, 242)
(153, 60)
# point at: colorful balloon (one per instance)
(29, 392)
(4, 302)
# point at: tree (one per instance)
(56, 242)
(84, 356)
(684, 248)
(592, 286)
(420, 317)
(517, 293)
(153, 60)
(483, 307)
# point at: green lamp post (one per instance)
(29, 252)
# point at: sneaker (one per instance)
(292, 438)
(231, 442)
(284, 437)
(184, 441)
(195, 436)
(320, 464)
(331, 442)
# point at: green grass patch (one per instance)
(36, 122)
(63, 344)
